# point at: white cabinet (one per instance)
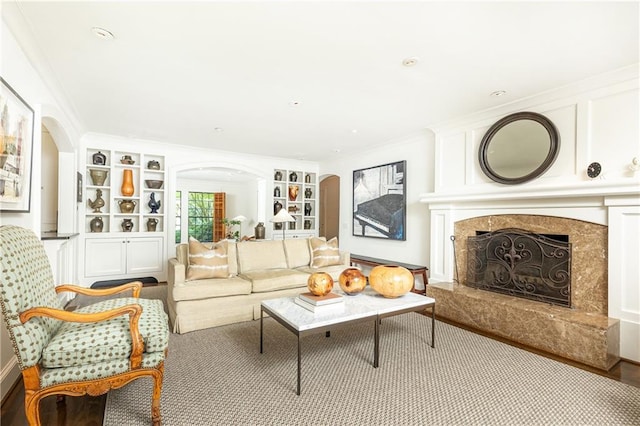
(297, 192)
(123, 215)
(118, 256)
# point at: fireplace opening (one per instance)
(522, 264)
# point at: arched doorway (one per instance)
(330, 207)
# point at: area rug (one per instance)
(218, 377)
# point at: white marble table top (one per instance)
(362, 305)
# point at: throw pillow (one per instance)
(205, 262)
(323, 252)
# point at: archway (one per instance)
(329, 206)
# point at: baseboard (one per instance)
(9, 375)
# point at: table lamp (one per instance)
(282, 217)
(239, 219)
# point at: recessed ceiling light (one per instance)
(336, 150)
(218, 129)
(409, 62)
(295, 103)
(498, 93)
(102, 33)
(354, 131)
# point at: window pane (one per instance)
(200, 221)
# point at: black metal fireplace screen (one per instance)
(522, 264)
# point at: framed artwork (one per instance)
(16, 150)
(379, 201)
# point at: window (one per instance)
(200, 221)
(178, 214)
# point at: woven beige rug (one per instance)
(218, 377)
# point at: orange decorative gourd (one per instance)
(127, 188)
(320, 283)
(352, 281)
(390, 280)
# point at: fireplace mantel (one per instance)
(613, 203)
(584, 189)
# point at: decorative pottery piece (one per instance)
(307, 178)
(153, 184)
(127, 206)
(276, 207)
(352, 281)
(293, 177)
(127, 225)
(126, 159)
(293, 209)
(320, 283)
(278, 175)
(293, 192)
(259, 231)
(292, 225)
(277, 226)
(308, 193)
(99, 159)
(153, 165)
(307, 209)
(152, 222)
(276, 191)
(96, 224)
(307, 224)
(98, 176)
(153, 204)
(390, 280)
(98, 203)
(127, 183)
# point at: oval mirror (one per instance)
(519, 148)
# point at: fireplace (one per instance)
(522, 264)
(583, 333)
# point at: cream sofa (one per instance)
(258, 270)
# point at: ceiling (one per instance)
(309, 79)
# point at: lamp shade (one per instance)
(282, 216)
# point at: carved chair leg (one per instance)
(32, 408)
(157, 392)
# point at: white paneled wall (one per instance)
(597, 121)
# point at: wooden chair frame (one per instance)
(31, 376)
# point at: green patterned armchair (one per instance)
(94, 349)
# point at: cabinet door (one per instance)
(105, 257)
(144, 255)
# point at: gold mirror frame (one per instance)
(552, 154)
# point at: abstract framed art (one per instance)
(16, 150)
(379, 201)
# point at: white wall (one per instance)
(418, 152)
(16, 69)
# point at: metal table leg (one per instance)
(261, 321)
(433, 325)
(376, 345)
(299, 365)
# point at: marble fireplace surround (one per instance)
(582, 333)
(615, 316)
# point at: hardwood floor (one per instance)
(89, 411)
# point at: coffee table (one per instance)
(365, 306)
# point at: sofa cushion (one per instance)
(205, 262)
(323, 252)
(260, 255)
(297, 251)
(182, 254)
(275, 279)
(212, 287)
